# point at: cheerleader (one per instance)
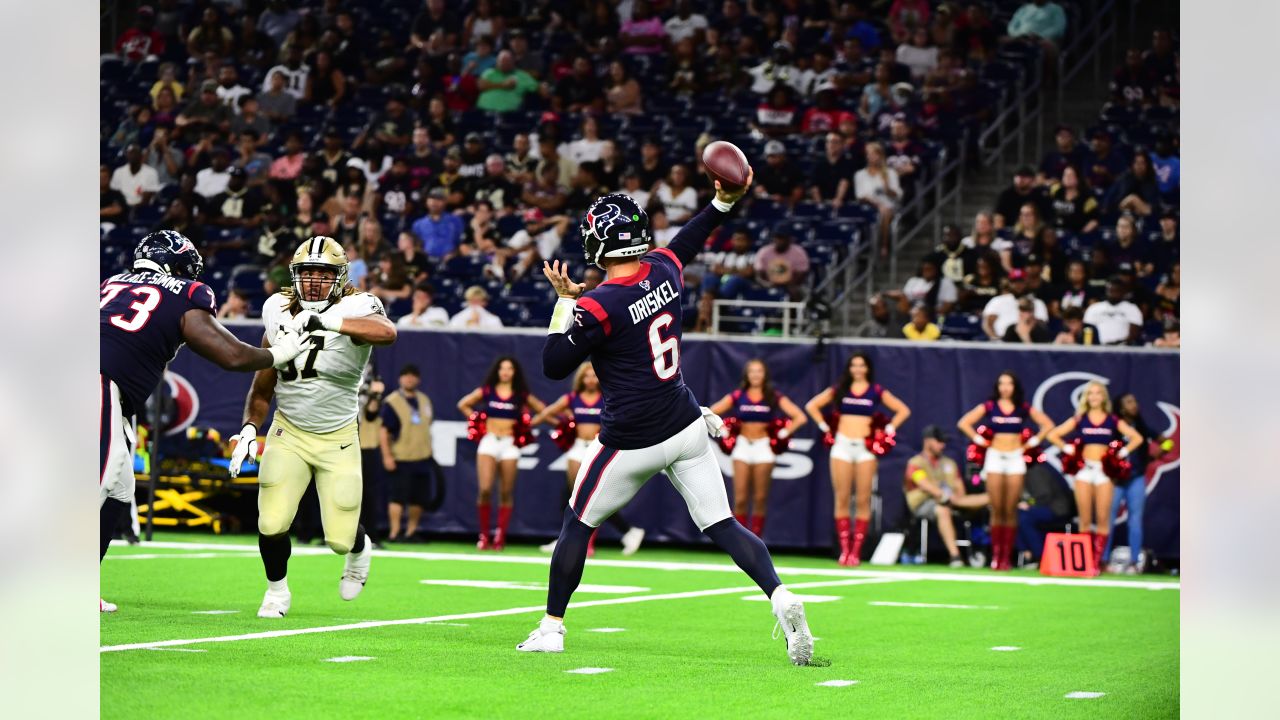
(1007, 416)
(756, 405)
(583, 406)
(504, 400)
(1095, 427)
(853, 464)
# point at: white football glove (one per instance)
(715, 425)
(980, 441)
(1068, 449)
(285, 346)
(309, 320)
(243, 445)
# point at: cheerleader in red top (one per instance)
(760, 410)
(1005, 415)
(852, 463)
(505, 401)
(1095, 427)
(583, 405)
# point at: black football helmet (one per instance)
(169, 252)
(615, 227)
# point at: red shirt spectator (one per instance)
(825, 117)
(142, 40)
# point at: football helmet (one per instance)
(169, 252)
(615, 226)
(319, 252)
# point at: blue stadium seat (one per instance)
(962, 326)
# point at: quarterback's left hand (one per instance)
(715, 426)
(309, 321)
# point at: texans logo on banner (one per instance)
(186, 403)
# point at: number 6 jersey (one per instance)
(319, 390)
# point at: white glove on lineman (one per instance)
(285, 346)
(1068, 449)
(715, 425)
(1124, 453)
(244, 445)
(980, 441)
(1033, 442)
(309, 320)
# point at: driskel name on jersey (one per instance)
(653, 301)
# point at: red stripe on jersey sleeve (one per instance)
(597, 312)
(666, 252)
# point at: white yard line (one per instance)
(483, 614)
(544, 560)
(931, 606)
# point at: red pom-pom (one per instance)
(1116, 467)
(523, 430)
(564, 434)
(1031, 455)
(1072, 464)
(976, 454)
(476, 426)
(777, 444)
(729, 435)
(880, 441)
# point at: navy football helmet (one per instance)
(615, 227)
(169, 252)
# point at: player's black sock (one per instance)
(275, 551)
(108, 519)
(747, 550)
(618, 523)
(359, 545)
(567, 562)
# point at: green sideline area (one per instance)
(662, 634)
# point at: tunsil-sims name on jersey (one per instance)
(652, 301)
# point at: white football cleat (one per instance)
(549, 547)
(631, 540)
(104, 606)
(275, 604)
(356, 571)
(547, 637)
(790, 613)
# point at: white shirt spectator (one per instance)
(432, 317)
(295, 81)
(680, 28)
(210, 182)
(917, 288)
(679, 206)
(583, 150)
(920, 60)
(1113, 320)
(663, 237)
(230, 96)
(474, 317)
(640, 196)
(731, 261)
(873, 188)
(1005, 308)
(133, 185)
(547, 241)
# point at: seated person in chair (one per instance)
(933, 488)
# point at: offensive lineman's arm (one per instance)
(213, 342)
(692, 238)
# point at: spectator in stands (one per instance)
(1133, 84)
(1119, 321)
(905, 16)
(725, 70)
(255, 163)
(387, 279)
(1100, 268)
(494, 187)
(783, 264)
(1167, 167)
(249, 116)
(875, 94)
(1024, 238)
(1136, 191)
(142, 40)
(877, 185)
(983, 235)
(822, 74)
(1128, 248)
(1172, 337)
(1028, 329)
(776, 70)
(1039, 283)
(928, 287)
(1067, 152)
(275, 101)
(345, 224)
(112, 207)
(579, 91)
(832, 173)
(480, 60)
(1168, 296)
(678, 199)
(587, 148)
(566, 169)
(439, 231)
(1075, 210)
(482, 22)
(631, 187)
(546, 193)
(1165, 241)
(137, 181)
(474, 316)
(254, 48)
(229, 89)
(503, 88)
(278, 20)
(238, 206)
(1162, 58)
(1074, 329)
(622, 93)
(644, 33)
(166, 159)
(586, 189)
(905, 155)
(277, 241)
(884, 323)
(164, 109)
(777, 115)
(235, 307)
(825, 116)
(730, 273)
(953, 259)
(424, 314)
(1077, 292)
(178, 217)
(976, 39)
(1001, 313)
(1023, 191)
(653, 167)
(520, 162)
(921, 327)
(685, 23)
(393, 126)
(206, 112)
(779, 179)
(167, 77)
(326, 84)
(1105, 163)
(1041, 22)
(539, 238)
(209, 36)
(920, 55)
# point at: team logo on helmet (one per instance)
(600, 219)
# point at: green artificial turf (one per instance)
(692, 657)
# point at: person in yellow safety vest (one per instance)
(933, 488)
(406, 452)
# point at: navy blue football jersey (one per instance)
(140, 328)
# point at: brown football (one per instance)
(726, 163)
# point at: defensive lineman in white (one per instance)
(314, 430)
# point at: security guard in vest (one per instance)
(934, 489)
(406, 451)
(371, 459)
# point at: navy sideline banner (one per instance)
(939, 381)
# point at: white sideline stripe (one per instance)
(607, 630)
(544, 561)
(1006, 648)
(448, 624)
(176, 650)
(214, 612)
(836, 683)
(481, 614)
(801, 598)
(540, 586)
(1083, 695)
(589, 671)
(181, 556)
(348, 658)
(935, 606)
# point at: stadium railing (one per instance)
(749, 317)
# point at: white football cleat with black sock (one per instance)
(547, 637)
(356, 571)
(275, 604)
(790, 613)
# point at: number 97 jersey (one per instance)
(319, 390)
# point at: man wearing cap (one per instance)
(1028, 329)
(502, 88)
(206, 111)
(1024, 190)
(580, 90)
(825, 116)
(539, 238)
(778, 179)
(474, 316)
(1001, 311)
(933, 488)
(142, 40)
(239, 206)
(214, 179)
(1103, 163)
(439, 231)
(333, 157)
(473, 157)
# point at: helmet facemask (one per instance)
(309, 280)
